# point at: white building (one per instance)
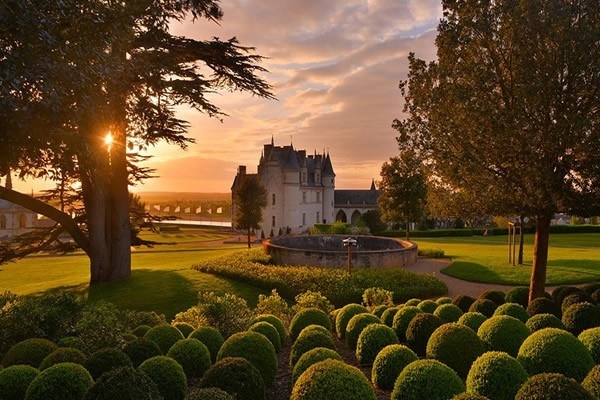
(14, 219)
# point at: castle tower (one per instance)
(328, 182)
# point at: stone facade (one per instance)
(14, 219)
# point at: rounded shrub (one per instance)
(444, 300)
(388, 364)
(581, 316)
(15, 380)
(192, 355)
(503, 333)
(552, 387)
(497, 296)
(484, 306)
(273, 320)
(306, 317)
(269, 331)
(472, 319)
(124, 384)
(69, 341)
(514, 310)
(469, 396)
(184, 328)
(402, 319)
(62, 355)
(448, 313)
(255, 348)
(412, 302)
(420, 329)
(310, 339)
(543, 306)
(164, 336)
(345, 315)
(575, 298)
(379, 310)
(455, 345)
(129, 337)
(388, 316)
(236, 376)
(427, 379)
(66, 381)
(209, 394)
(28, 352)
(106, 360)
(596, 296)
(496, 375)
(141, 330)
(356, 325)
(427, 306)
(463, 302)
(519, 295)
(591, 383)
(332, 379)
(560, 293)
(591, 287)
(212, 339)
(555, 350)
(312, 357)
(541, 321)
(141, 350)
(168, 376)
(372, 340)
(591, 340)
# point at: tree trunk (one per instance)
(407, 231)
(537, 284)
(520, 259)
(249, 245)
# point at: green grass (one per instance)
(572, 258)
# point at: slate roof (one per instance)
(355, 197)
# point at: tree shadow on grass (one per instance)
(472, 272)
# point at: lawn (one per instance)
(572, 258)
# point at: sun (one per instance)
(108, 139)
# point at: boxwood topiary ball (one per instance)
(563, 293)
(345, 315)
(388, 316)
(212, 339)
(591, 383)
(496, 375)
(129, 337)
(427, 379)
(412, 302)
(306, 317)
(552, 387)
(379, 310)
(168, 376)
(389, 363)
(543, 306)
(402, 319)
(312, 357)
(372, 340)
(575, 298)
(503, 333)
(141, 330)
(541, 321)
(236, 376)
(497, 296)
(184, 328)
(485, 306)
(596, 296)
(448, 313)
(124, 384)
(66, 381)
(591, 339)
(106, 360)
(469, 396)
(164, 336)
(420, 329)
(209, 394)
(581, 316)
(519, 295)
(28, 352)
(555, 350)
(444, 300)
(513, 310)
(68, 341)
(310, 338)
(427, 306)
(463, 302)
(62, 355)
(15, 380)
(273, 320)
(141, 350)
(356, 325)
(192, 355)
(455, 345)
(591, 287)
(332, 379)
(270, 332)
(255, 348)
(472, 319)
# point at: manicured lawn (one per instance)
(572, 258)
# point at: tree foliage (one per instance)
(249, 198)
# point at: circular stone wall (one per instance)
(328, 251)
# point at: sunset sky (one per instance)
(335, 67)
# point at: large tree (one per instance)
(249, 200)
(403, 189)
(509, 112)
(73, 72)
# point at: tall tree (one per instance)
(74, 71)
(403, 190)
(509, 111)
(249, 199)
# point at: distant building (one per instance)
(14, 219)
(301, 191)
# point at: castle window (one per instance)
(317, 177)
(318, 217)
(318, 197)
(303, 219)
(303, 177)
(2, 221)
(304, 197)
(273, 202)
(22, 221)
(273, 221)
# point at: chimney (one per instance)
(242, 170)
(8, 180)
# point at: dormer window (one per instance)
(303, 177)
(273, 200)
(317, 177)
